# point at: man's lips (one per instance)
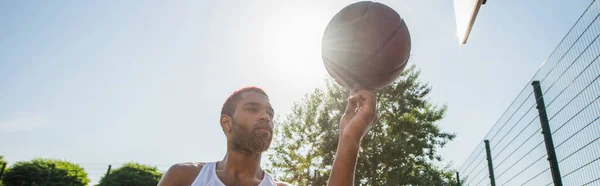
(267, 128)
(264, 129)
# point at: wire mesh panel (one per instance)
(571, 90)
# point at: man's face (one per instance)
(252, 125)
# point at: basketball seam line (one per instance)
(359, 27)
(386, 44)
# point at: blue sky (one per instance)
(108, 82)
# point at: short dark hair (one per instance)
(229, 105)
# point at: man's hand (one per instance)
(359, 115)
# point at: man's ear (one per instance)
(226, 123)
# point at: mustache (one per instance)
(263, 126)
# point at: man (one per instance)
(246, 120)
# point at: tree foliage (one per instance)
(132, 173)
(399, 149)
(40, 171)
(2, 163)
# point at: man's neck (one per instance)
(241, 164)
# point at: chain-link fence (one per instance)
(522, 150)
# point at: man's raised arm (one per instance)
(353, 126)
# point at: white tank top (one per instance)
(208, 177)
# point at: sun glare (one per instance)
(293, 43)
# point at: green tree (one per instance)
(132, 174)
(399, 149)
(2, 163)
(39, 171)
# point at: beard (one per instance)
(246, 140)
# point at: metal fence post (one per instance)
(541, 106)
(489, 160)
(106, 177)
(457, 179)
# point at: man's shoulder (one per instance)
(188, 166)
(181, 174)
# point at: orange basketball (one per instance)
(366, 43)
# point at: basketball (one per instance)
(366, 43)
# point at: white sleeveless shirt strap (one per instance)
(208, 177)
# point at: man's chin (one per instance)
(255, 148)
(262, 148)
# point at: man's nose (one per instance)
(266, 117)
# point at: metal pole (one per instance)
(541, 106)
(457, 179)
(106, 177)
(489, 160)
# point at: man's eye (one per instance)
(252, 109)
